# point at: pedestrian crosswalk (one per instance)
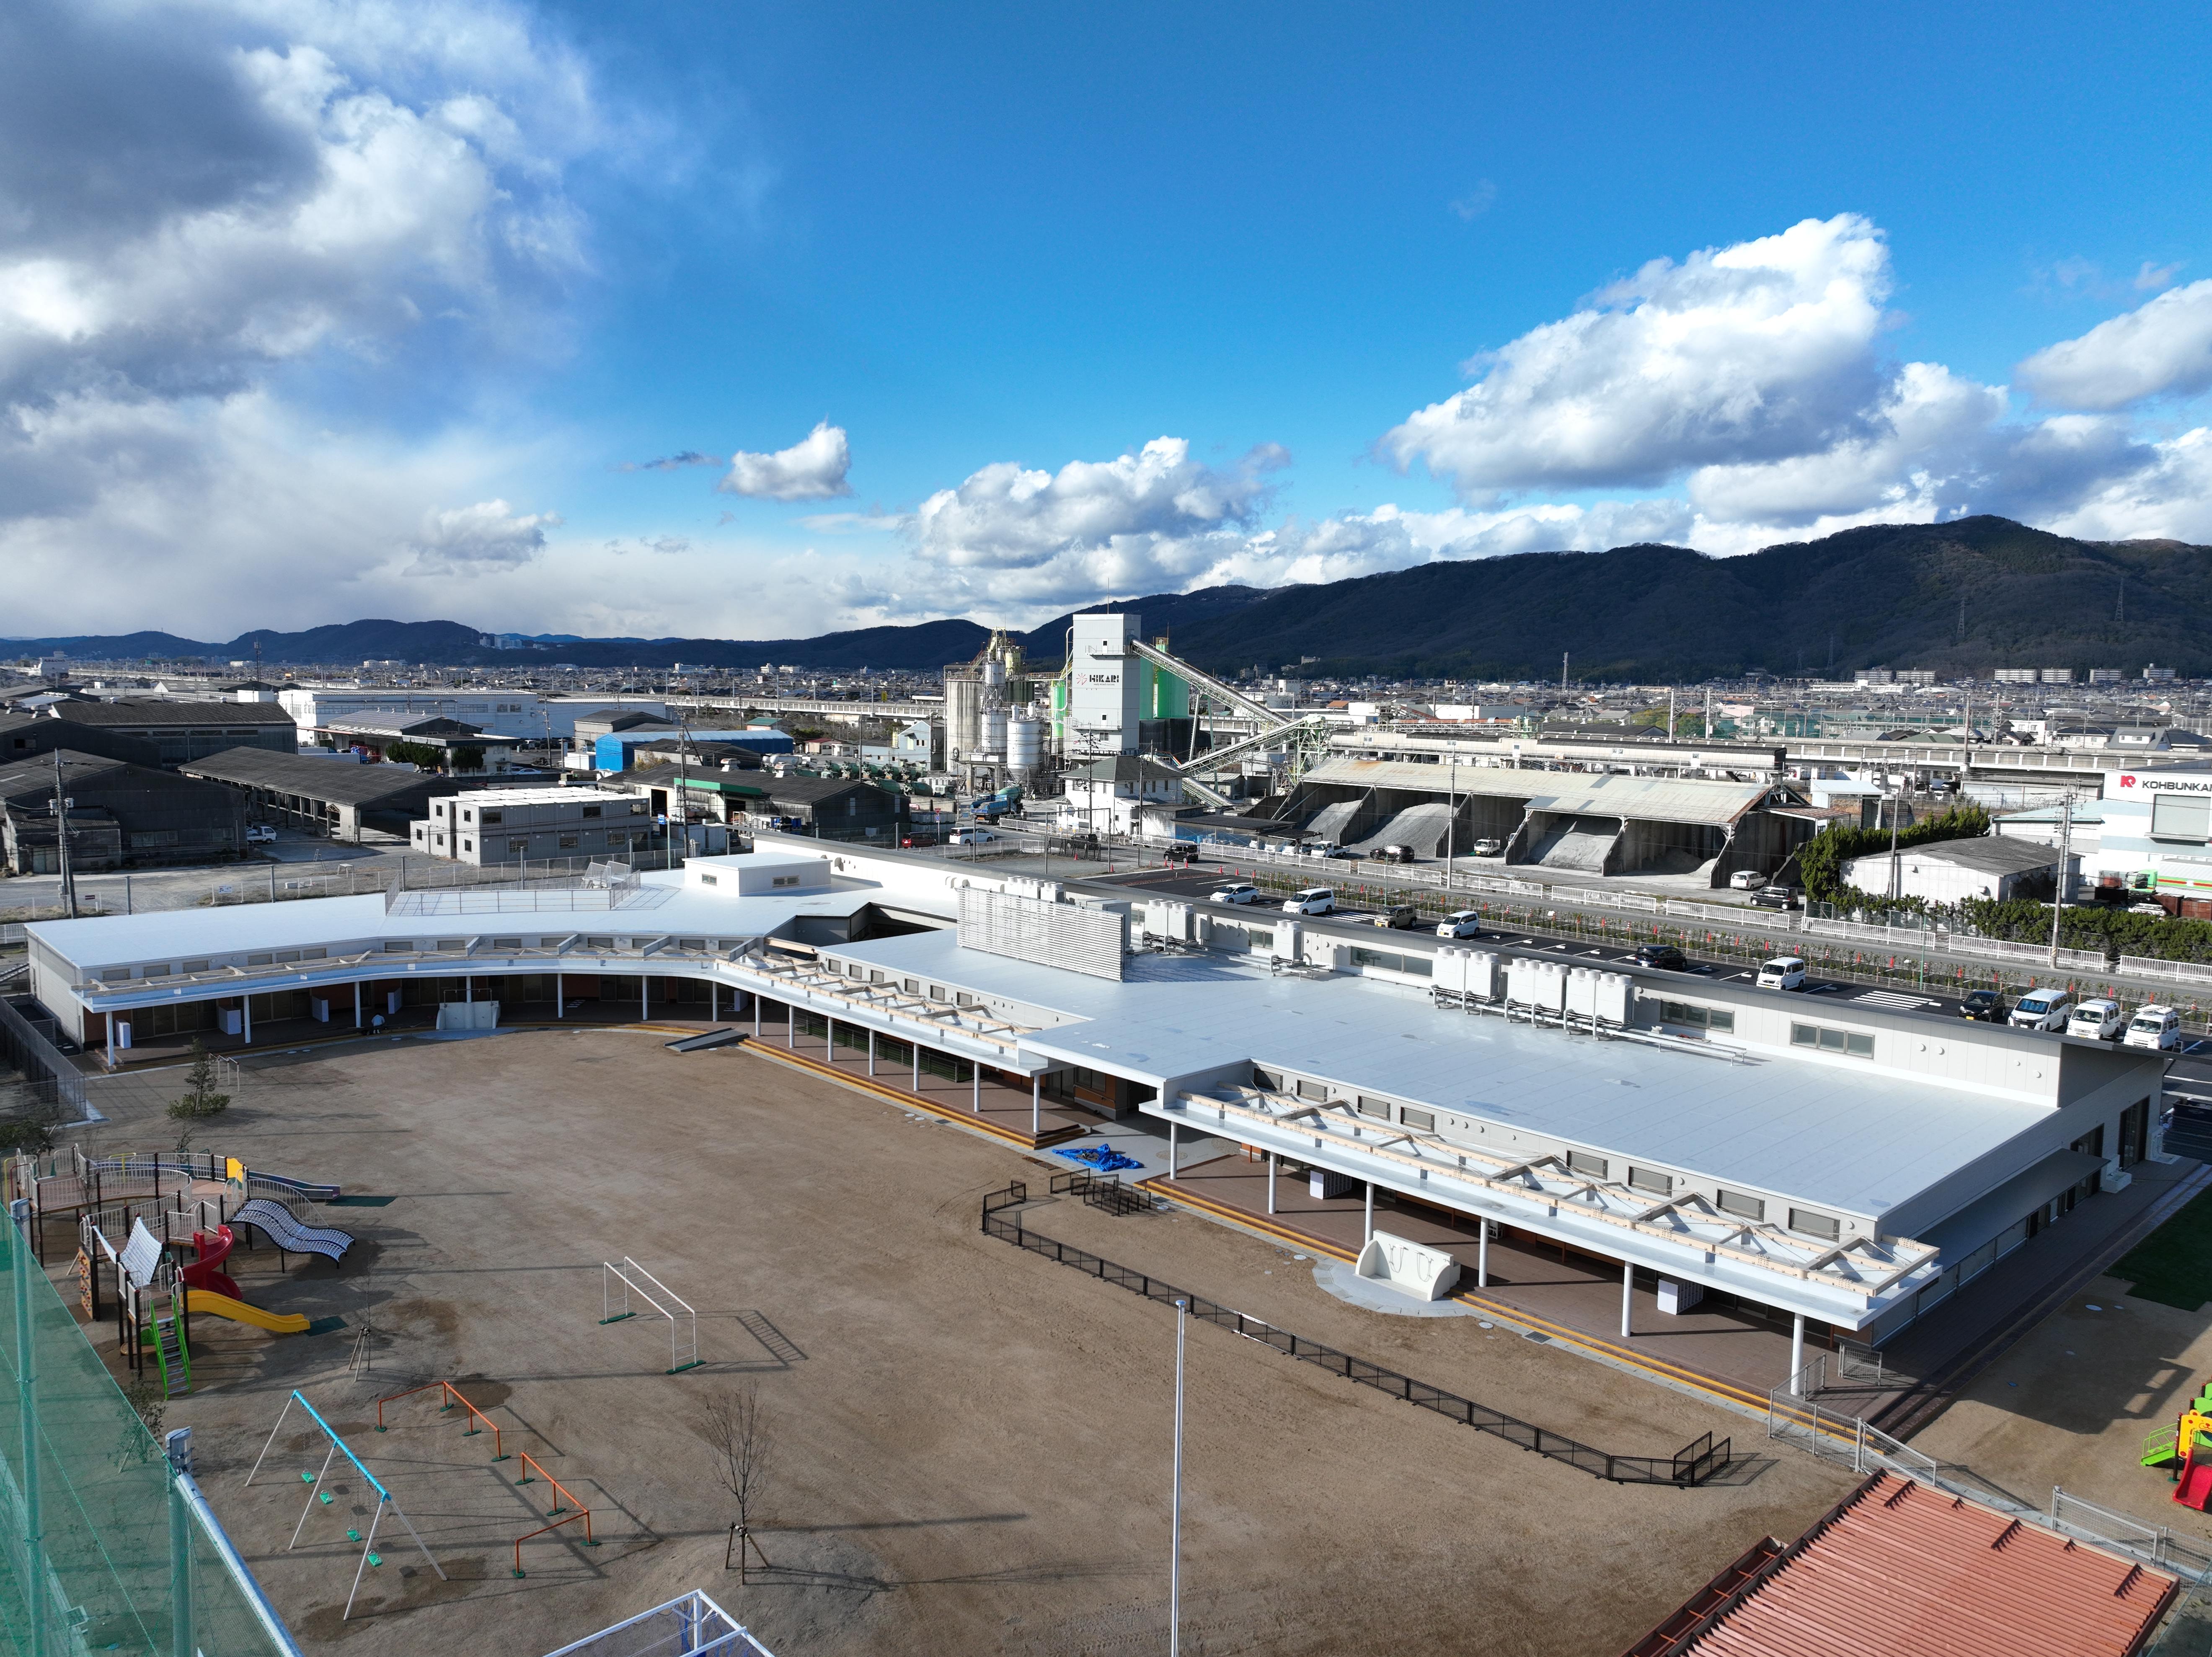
(1892, 998)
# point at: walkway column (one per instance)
(644, 998)
(791, 1027)
(757, 1017)
(714, 1001)
(976, 1075)
(110, 1040)
(468, 988)
(1175, 1147)
(245, 1011)
(1036, 1104)
(1628, 1287)
(1271, 1182)
(831, 1044)
(357, 1003)
(1482, 1256)
(917, 1068)
(872, 1052)
(1367, 1235)
(1797, 1355)
(560, 1004)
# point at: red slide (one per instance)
(2194, 1488)
(213, 1251)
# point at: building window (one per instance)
(568, 844)
(1421, 1121)
(1379, 1108)
(1267, 1079)
(469, 817)
(490, 817)
(400, 947)
(1589, 1167)
(468, 846)
(2134, 1123)
(1827, 1226)
(1847, 1043)
(1314, 1090)
(2181, 816)
(447, 945)
(1743, 1207)
(259, 960)
(591, 810)
(506, 943)
(783, 880)
(1651, 1180)
(704, 880)
(194, 966)
(1704, 1018)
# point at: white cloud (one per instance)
(2161, 347)
(1758, 351)
(812, 469)
(471, 540)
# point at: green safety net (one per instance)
(89, 1560)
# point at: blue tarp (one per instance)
(1105, 1158)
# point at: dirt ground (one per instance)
(2071, 1404)
(970, 1443)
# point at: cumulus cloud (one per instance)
(202, 201)
(471, 540)
(812, 469)
(1758, 351)
(2160, 348)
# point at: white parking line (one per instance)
(1892, 998)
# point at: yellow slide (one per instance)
(222, 1305)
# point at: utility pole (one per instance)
(62, 804)
(1451, 827)
(1670, 713)
(1563, 672)
(1709, 712)
(1896, 804)
(1175, 1557)
(2065, 856)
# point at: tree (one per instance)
(737, 1428)
(468, 759)
(200, 1098)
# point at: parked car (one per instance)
(2099, 1019)
(1488, 848)
(1333, 851)
(260, 833)
(1403, 917)
(2042, 1010)
(1745, 880)
(1310, 901)
(1784, 972)
(1394, 854)
(1663, 957)
(2146, 908)
(970, 837)
(1984, 1006)
(1460, 923)
(2154, 1026)
(1775, 896)
(1180, 851)
(1235, 892)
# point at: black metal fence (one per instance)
(1693, 1464)
(1104, 1190)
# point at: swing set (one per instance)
(317, 1496)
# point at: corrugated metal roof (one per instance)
(1902, 1570)
(1651, 799)
(333, 781)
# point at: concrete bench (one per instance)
(1413, 1269)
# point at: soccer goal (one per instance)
(635, 1279)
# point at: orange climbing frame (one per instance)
(452, 1397)
(567, 1504)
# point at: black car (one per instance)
(1180, 851)
(1986, 1006)
(1665, 957)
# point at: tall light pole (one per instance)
(2065, 854)
(62, 803)
(1175, 1556)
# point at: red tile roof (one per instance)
(1902, 1570)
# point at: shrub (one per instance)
(200, 1098)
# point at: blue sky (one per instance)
(404, 290)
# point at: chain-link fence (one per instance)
(104, 1546)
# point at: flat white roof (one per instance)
(1859, 1141)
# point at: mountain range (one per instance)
(1960, 597)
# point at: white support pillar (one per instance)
(1627, 1289)
(560, 1001)
(916, 1049)
(1175, 1149)
(246, 1016)
(1367, 1232)
(1797, 1355)
(872, 1052)
(110, 1040)
(756, 1017)
(830, 1047)
(1271, 1182)
(1036, 1104)
(468, 988)
(644, 998)
(1482, 1256)
(976, 1075)
(714, 1001)
(791, 1027)
(357, 1003)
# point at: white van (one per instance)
(1745, 880)
(1310, 901)
(2042, 1010)
(1783, 973)
(2154, 1026)
(2097, 1019)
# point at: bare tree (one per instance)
(738, 1431)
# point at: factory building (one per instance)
(1729, 1159)
(510, 825)
(2156, 837)
(524, 712)
(1953, 870)
(172, 732)
(334, 798)
(120, 816)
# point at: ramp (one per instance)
(1331, 821)
(701, 1043)
(1422, 827)
(1578, 844)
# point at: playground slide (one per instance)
(276, 1223)
(2193, 1488)
(321, 1193)
(222, 1306)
